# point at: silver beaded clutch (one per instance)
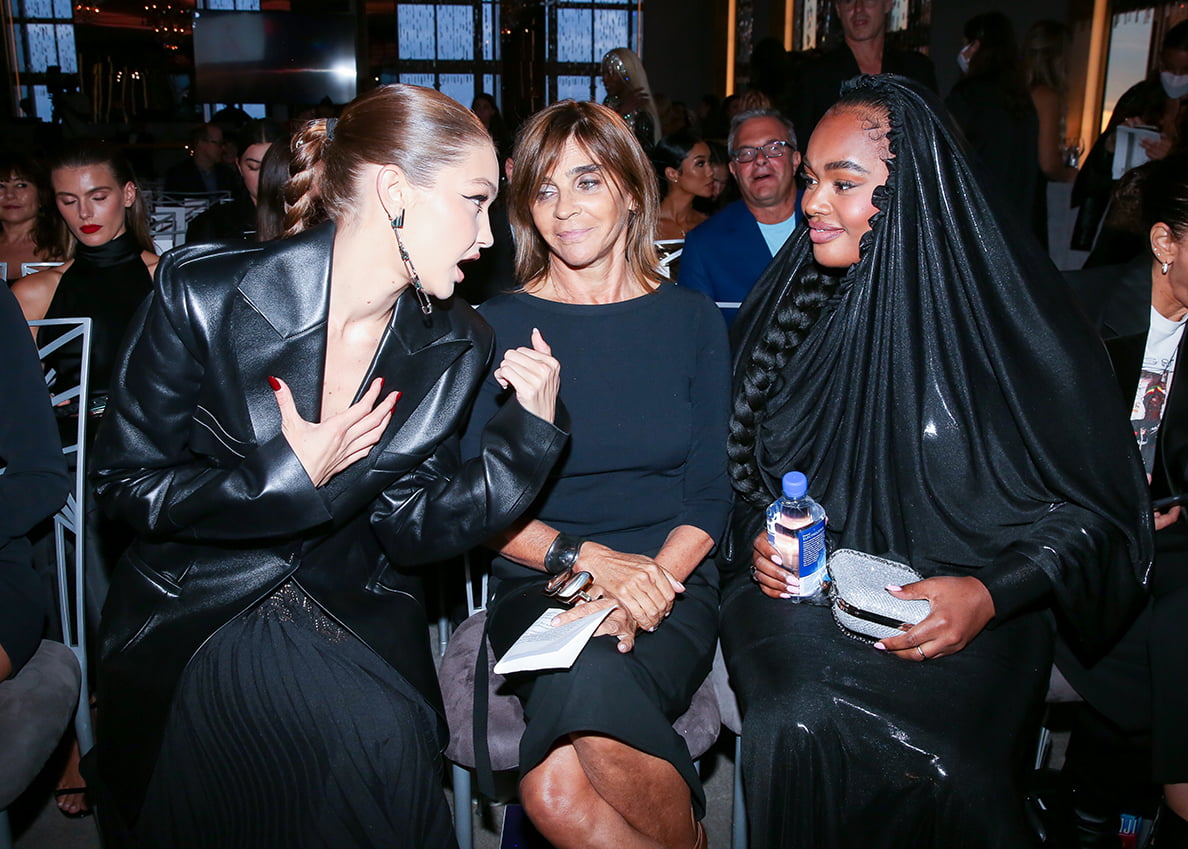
(861, 604)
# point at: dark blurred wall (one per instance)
(684, 47)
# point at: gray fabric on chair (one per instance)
(35, 707)
(700, 724)
(727, 701)
(505, 722)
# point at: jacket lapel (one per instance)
(280, 326)
(414, 354)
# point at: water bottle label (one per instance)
(812, 557)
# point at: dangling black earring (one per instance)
(414, 278)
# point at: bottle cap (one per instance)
(795, 485)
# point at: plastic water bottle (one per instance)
(796, 518)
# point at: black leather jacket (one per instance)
(191, 454)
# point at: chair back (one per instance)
(69, 522)
(28, 268)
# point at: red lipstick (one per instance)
(91, 228)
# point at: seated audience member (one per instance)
(236, 219)
(29, 229)
(635, 505)
(33, 486)
(915, 356)
(993, 108)
(683, 168)
(106, 279)
(1154, 102)
(864, 50)
(270, 191)
(725, 256)
(1141, 686)
(203, 172)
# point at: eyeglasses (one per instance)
(771, 150)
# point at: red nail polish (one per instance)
(381, 384)
(274, 383)
(399, 394)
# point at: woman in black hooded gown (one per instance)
(916, 356)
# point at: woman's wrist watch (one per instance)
(562, 555)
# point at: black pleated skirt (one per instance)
(287, 731)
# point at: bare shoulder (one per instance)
(35, 292)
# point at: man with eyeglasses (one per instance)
(725, 255)
(863, 50)
(203, 171)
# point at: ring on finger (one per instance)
(920, 652)
(754, 573)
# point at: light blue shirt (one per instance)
(776, 234)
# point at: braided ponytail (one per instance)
(794, 318)
(417, 129)
(302, 209)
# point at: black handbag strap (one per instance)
(484, 774)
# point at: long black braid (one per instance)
(794, 318)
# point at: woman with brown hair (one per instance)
(29, 231)
(637, 502)
(265, 672)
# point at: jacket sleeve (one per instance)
(143, 470)
(445, 507)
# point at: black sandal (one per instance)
(72, 791)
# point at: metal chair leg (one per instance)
(463, 816)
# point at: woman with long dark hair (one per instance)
(281, 438)
(916, 357)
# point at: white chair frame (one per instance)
(28, 268)
(71, 519)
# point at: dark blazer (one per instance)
(191, 454)
(1117, 300)
(725, 254)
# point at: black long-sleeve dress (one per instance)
(34, 483)
(952, 412)
(645, 382)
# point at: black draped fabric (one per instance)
(951, 410)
